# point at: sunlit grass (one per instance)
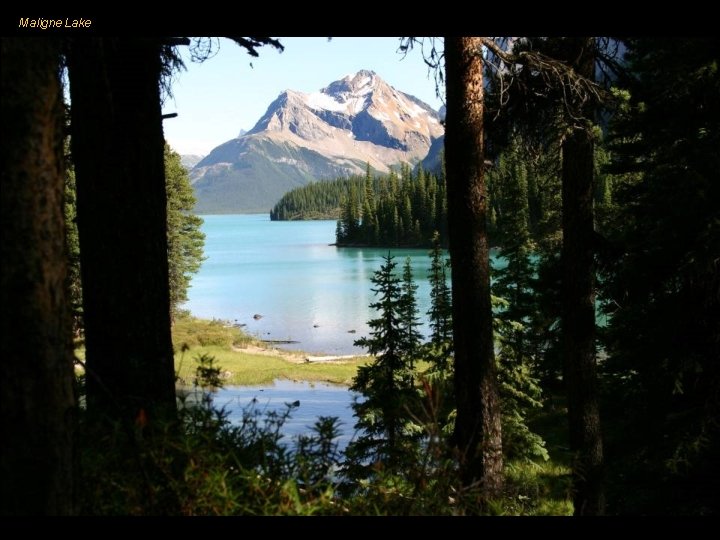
(191, 332)
(255, 366)
(538, 489)
(544, 489)
(247, 369)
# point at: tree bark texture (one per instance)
(477, 427)
(578, 298)
(117, 143)
(36, 366)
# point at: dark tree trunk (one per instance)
(578, 299)
(36, 368)
(477, 427)
(118, 146)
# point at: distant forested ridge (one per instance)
(402, 208)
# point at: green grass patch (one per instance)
(193, 337)
(537, 489)
(189, 332)
(248, 369)
(541, 488)
(545, 489)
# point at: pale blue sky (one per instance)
(217, 98)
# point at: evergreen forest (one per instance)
(578, 377)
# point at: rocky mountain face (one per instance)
(190, 160)
(307, 136)
(433, 160)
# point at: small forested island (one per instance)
(317, 200)
(401, 209)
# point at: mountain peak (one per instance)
(363, 73)
(354, 85)
(361, 79)
(335, 131)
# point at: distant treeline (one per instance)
(402, 208)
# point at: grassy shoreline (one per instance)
(540, 488)
(240, 368)
(533, 487)
(246, 361)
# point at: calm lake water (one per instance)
(286, 271)
(316, 399)
(306, 291)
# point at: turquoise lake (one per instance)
(306, 290)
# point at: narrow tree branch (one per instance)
(250, 44)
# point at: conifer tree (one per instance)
(440, 312)
(516, 308)
(386, 383)
(478, 422)
(185, 239)
(662, 286)
(36, 371)
(408, 311)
